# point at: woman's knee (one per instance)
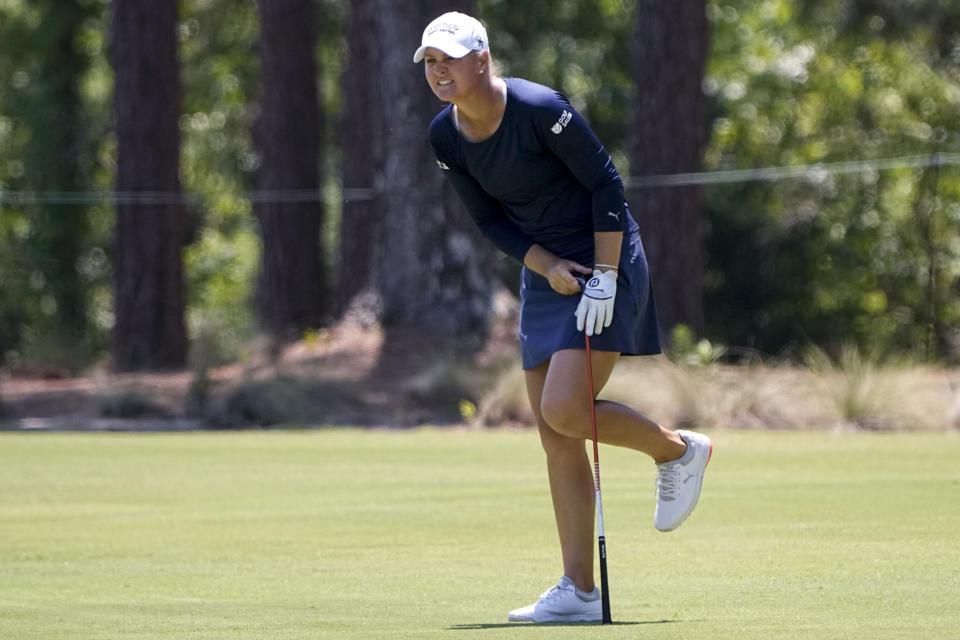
(556, 445)
(565, 414)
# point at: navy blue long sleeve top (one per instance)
(543, 177)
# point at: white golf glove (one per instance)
(596, 306)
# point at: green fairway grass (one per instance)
(437, 534)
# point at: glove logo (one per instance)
(595, 310)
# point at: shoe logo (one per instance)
(689, 476)
(560, 124)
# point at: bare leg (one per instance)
(565, 406)
(571, 487)
(560, 399)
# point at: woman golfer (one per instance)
(543, 189)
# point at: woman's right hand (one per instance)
(563, 275)
(560, 273)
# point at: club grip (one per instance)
(604, 590)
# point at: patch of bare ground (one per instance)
(358, 375)
(348, 375)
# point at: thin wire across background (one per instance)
(815, 172)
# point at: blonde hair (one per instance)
(491, 64)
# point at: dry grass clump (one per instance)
(850, 391)
(866, 392)
(506, 403)
(719, 396)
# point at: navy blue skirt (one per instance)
(548, 324)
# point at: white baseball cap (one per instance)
(454, 33)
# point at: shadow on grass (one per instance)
(508, 625)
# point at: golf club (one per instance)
(604, 590)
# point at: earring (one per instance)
(481, 71)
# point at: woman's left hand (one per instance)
(595, 310)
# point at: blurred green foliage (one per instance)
(52, 266)
(870, 258)
(218, 163)
(220, 69)
(582, 49)
(686, 350)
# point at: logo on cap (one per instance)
(447, 27)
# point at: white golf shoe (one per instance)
(563, 602)
(679, 482)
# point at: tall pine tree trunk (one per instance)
(149, 287)
(290, 292)
(431, 270)
(670, 130)
(361, 141)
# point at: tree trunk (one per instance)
(670, 132)
(290, 291)
(432, 272)
(361, 141)
(149, 287)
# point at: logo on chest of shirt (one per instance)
(564, 120)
